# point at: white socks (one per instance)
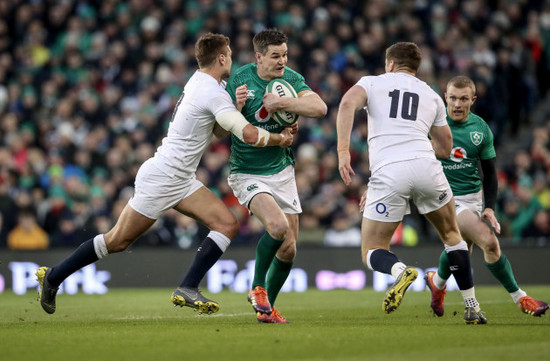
(100, 247)
(438, 281)
(517, 295)
(397, 268)
(220, 239)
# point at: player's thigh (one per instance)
(208, 209)
(376, 234)
(264, 206)
(474, 229)
(444, 221)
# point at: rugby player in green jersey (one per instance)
(264, 181)
(473, 143)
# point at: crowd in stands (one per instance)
(87, 89)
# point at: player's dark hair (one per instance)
(406, 56)
(462, 81)
(266, 38)
(208, 47)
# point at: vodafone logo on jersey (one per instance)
(262, 115)
(458, 154)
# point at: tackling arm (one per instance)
(234, 122)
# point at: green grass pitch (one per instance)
(142, 324)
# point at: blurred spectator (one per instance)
(405, 235)
(251, 230)
(539, 230)
(27, 235)
(342, 232)
(520, 211)
(3, 232)
(185, 231)
(87, 89)
(66, 232)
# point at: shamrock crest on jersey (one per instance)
(476, 137)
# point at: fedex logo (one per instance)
(225, 273)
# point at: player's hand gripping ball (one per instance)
(282, 88)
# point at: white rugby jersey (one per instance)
(190, 129)
(401, 110)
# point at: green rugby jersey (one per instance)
(246, 158)
(472, 141)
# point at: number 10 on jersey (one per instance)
(409, 104)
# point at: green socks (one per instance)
(502, 270)
(278, 273)
(265, 254)
(444, 266)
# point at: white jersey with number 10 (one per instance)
(401, 110)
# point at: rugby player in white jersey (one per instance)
(402, 112)
(167, 180)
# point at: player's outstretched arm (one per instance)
(354, 99)
(234, 122)
(307, 104)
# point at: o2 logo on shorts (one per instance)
(381, 209)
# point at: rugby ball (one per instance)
(282, 88)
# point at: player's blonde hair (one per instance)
(406, 56)
(208, 47)
(462, 81)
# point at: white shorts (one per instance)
(156, 192)
(473, 202)
(282, 186)
(391, 187)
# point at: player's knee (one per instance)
(228, 227)
(491, 247)
(277, 229)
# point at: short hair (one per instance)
(267, 37)
(405, 55)
(462, 81)
(208, 47)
